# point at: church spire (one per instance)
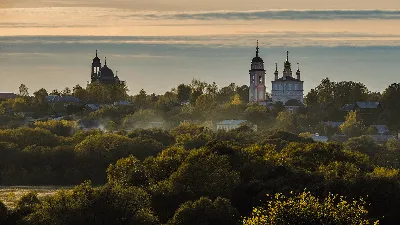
(276, 71)
(105, 61)
(298, 71)
(287, 56)
(96, 52)
(257, 49)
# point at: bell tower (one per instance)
(257, 79)
(96, 66)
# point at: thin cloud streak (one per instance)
(273, 15)
(239, 40)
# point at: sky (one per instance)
(155, 45)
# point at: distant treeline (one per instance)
(202, 102)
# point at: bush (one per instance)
(205, 211)
(305, 208)
(61, 128)
(24, 137)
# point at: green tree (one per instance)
(287, 121)
(243, 92)
(204, 174)
(128, 172)
(227, 93)
(353, 126)
(66, 92)
(305, 208)
(55, 92)
(58, 127)
(167, 101)
(23, 90)
(257, 114)
(393, 145)
(141, 100)
(212, 89)
(392, 106)
(27, 204)
(80, 93)
(40, 96)
(236, 100)
(205, 211)
(86, 205)
(364, 144)
(183, 92)
(205, 103)
(371, 130)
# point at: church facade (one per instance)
(103, 75)
(286, 89)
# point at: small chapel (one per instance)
(103, 75)
(285, 89)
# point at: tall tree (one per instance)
(66, 91)
(391, 105)
(23, 90)
(183, 92)
(40, 96)
(80, 93)
(243, 92)
(353, 126)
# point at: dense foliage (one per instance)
(186, 172)
(156, 177)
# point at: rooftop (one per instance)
(7, 95)
(232, 122)
(63, 99)
(368, 105)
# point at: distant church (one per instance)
(103, 75)
(287, 89)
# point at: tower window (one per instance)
(252, 79)
(260, 79)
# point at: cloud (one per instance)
(127, 44)
(272, 15)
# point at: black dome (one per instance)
(257, 59)
(106, 72)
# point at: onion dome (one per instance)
(105, 71)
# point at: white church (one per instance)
(286, 89)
